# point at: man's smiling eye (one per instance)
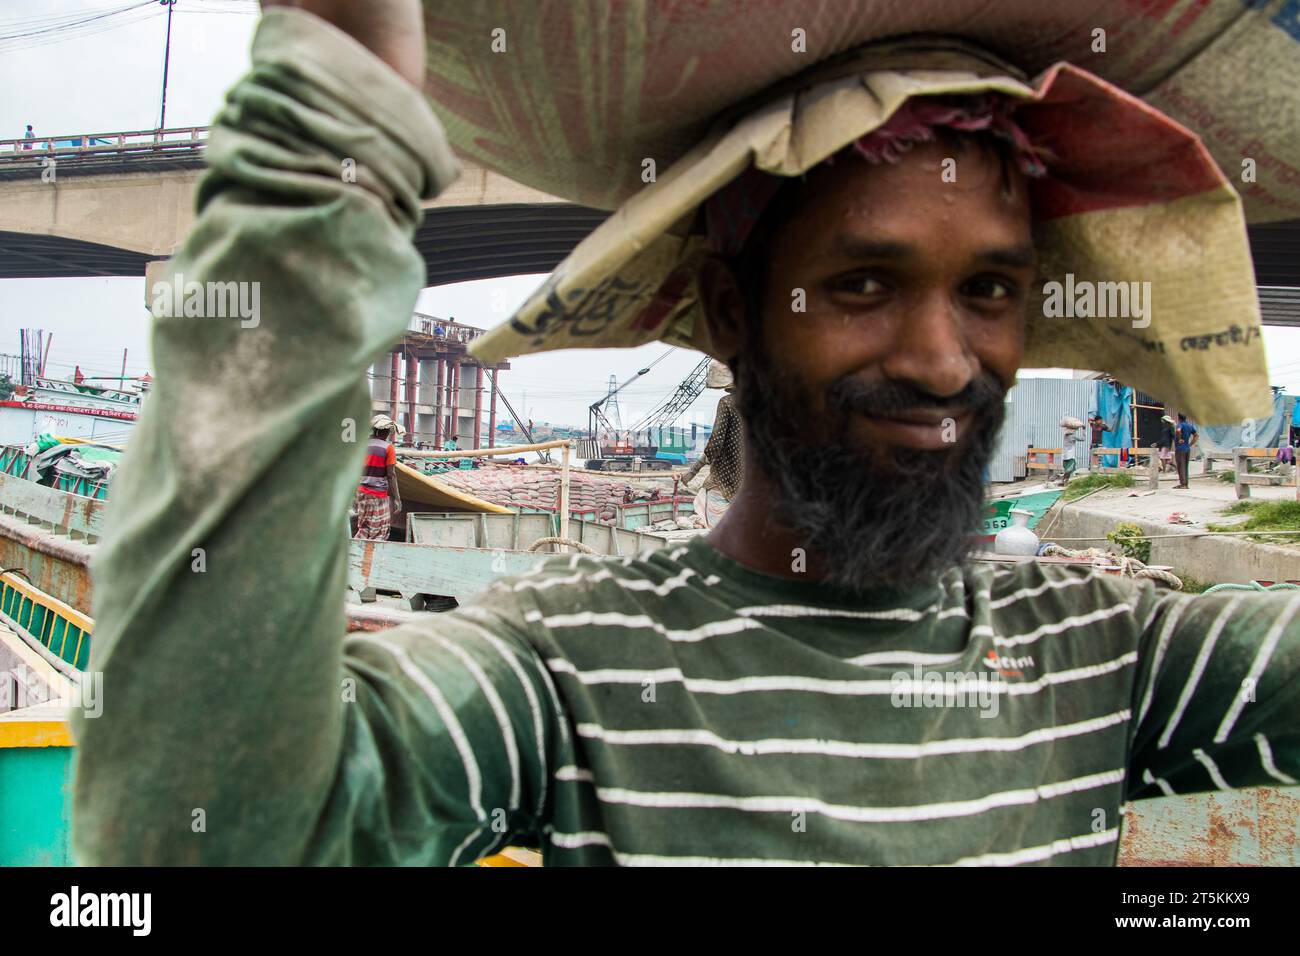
(989, 288)
(859, 285)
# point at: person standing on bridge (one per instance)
(377, 499)
(29, 136)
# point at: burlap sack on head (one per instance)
(1133, 218)
(572, 98)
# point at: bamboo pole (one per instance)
(482, 452)
(564, 493)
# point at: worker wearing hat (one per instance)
(378, 501)
(866, 252)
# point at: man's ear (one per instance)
(724, 307)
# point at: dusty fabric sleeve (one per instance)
(1217, 700)
(235, 728)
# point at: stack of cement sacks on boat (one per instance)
(524, 486)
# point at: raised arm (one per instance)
(235, 728)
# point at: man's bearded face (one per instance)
(874, 411)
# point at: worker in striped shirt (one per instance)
(378, 499)
(824, 679)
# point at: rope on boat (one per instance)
(585, 549)
(1129, 567)
(1253, 586)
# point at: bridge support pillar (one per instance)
(440, 366)
(492, 412)
(395, 371)
(410, 397)
(426, 423)
(478, 406)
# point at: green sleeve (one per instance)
(1217, 699)
(236, 726)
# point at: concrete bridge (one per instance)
(105, 204)
(108, 203)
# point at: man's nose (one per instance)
(931, 350)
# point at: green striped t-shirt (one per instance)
(687, 709)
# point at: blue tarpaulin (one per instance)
(1256, 433)
(1112, 403)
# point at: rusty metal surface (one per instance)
(56, 565)
(377, 618)
(1257, 827)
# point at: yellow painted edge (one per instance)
(34, 733)
(66, 611)
(513, 856)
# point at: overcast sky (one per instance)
(105, 75)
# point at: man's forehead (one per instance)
(855, 206)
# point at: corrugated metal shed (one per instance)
(1035, 407)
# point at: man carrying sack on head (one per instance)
(724, 453)
(865, 248)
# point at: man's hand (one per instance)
(391, 29)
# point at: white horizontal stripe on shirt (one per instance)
(1166, 633)
(800, 610)
(641, 621)
(822, 685)
(654, 859)
(628, 584)
(857, 814)
(747, 618)
(902, 657)
(572, 841)
(846, 748)
(1052, 585)
(1057, 627)
(1160, 782)
(1266, 761)
(1036, 854)
(1257, 666)
(534, 705)
(1211, 768)
(445, 713)
(570, 772)
(498, 708)
(1198, 668)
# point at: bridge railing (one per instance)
(184, 139)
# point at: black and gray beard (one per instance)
(895, 518)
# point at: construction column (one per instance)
(450, 431)
(394, 373)
(410, 396)
(492, 414)
(478, 406)
(437, 403)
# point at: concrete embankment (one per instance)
(1218, 559)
